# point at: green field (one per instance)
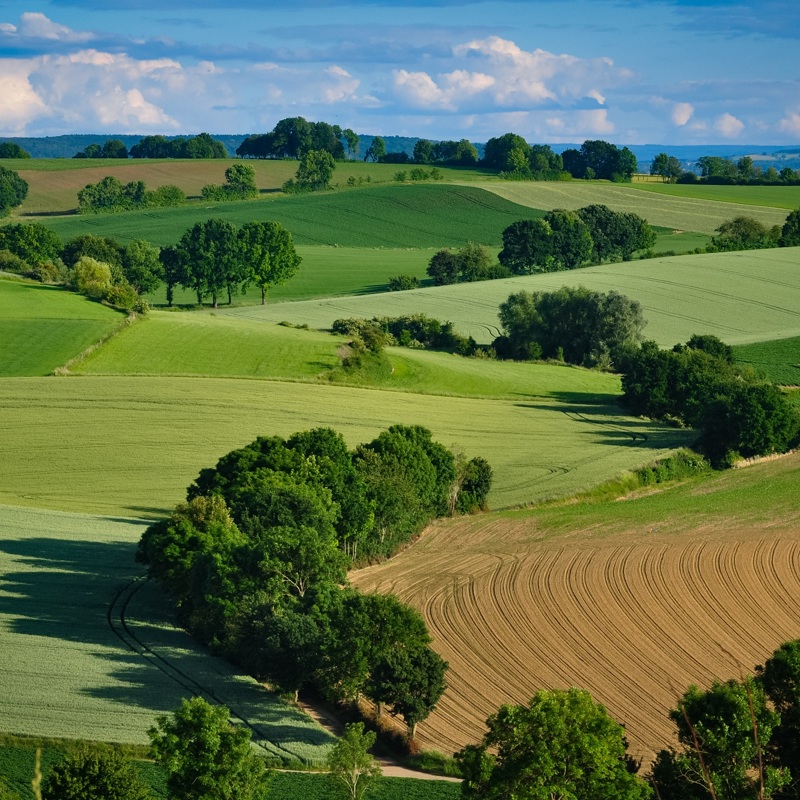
(71, 587)
(130, 446)
(779, 360)
(42, 327)
(740, 297)
(685, 213)
(419, 216)
(774, 196)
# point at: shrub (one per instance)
(401, 283)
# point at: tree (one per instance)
(13, 190)
(12, 150)
(141, 266)
(790, 233)
(269, 253)
(33, 242)
(721, 734)
(101, 248)
(571, 242)
(352, 141)
(240, 181)
(666, 166)
(716, 167)
(497, 151)
(114, 148)
(423, 152)
(205, 757)
(376, 150)
(94, 776)
(91, 277)
(527, 246)
(444, 267)
(561, 745)
(350, 764)
(743, 233)
(313, 174)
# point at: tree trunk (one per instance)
(263, 296)
(229, 295)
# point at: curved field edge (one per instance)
(740, 297)
(121, 445)
(679, 212)
(89, 654)
(632, 600)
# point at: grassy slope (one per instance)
(778, 360)
(740, 297)
(425, 215)
(42, 327)
(118, 445)
(96, 687)
(774, 196)
(689, 213)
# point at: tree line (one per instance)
(256, 561)
(719, 170)
(201, 146)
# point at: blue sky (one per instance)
(629, 71)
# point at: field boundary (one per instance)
(85, 353)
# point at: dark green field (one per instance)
(778, 360)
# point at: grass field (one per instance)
(42, 327)
(130, 446)
(778, 360)
(686, 213)
(102, 662)
(787, 197)
(740, 297)
(632, 600)
(420, 216)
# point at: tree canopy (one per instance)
(13, 190)
(94, 776)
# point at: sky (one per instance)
(627, 71)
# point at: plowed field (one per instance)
(633, 608)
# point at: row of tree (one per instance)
(736, 412)
(719, 170)
(255, 561)
(201, 146)
(109, 194)
(737, 740)
(293, 137)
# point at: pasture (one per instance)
(130, 446)
(680, 212)
(741, 297)
(42, 327)
(103, 661)
(633, 600)
(787, 197)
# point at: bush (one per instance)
(401, 283)
(9, 262)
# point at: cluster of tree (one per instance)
(12, 150)
(412, 330)
(216, 256)
(719, 170)
(13, 190)
(201, 146)
(96, 266)
(255, 561)
(293, 137)
(418, 174)
(746, 233)
(110, 195)
(112, 148)
(313, 174)
(471, 263)
(569, 239)
(515, 159)
(597, 159)
(458, 154)
(240, 184)
(738, 739)
(575, 325)
(737, 413)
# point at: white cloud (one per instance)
(34, 25)
(728, 125)
(682, 113)
(790, 124)
(509, 78)
(579, 124)
(19, 102)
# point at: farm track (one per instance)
(635, 617)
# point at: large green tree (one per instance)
(561, 745)
(351, 767)
(790, 232)
(205, 757)
(12, 150)
(13, 190)
(376, 150)
(94, 776)
(667, 167)
(269, 253)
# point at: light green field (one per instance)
(690, 213)
(175, 343)
(778, 360)
(42, 327)
(70, 668)
(775, 196)
(130, 446)
(397, 216)
(741, 297)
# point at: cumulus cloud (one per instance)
(728, 125)
(509, 78)
(790, 124)
(294, 85)
(682, 113)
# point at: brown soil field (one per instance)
(634, 609)
(56, 191)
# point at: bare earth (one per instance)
(634, 616)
